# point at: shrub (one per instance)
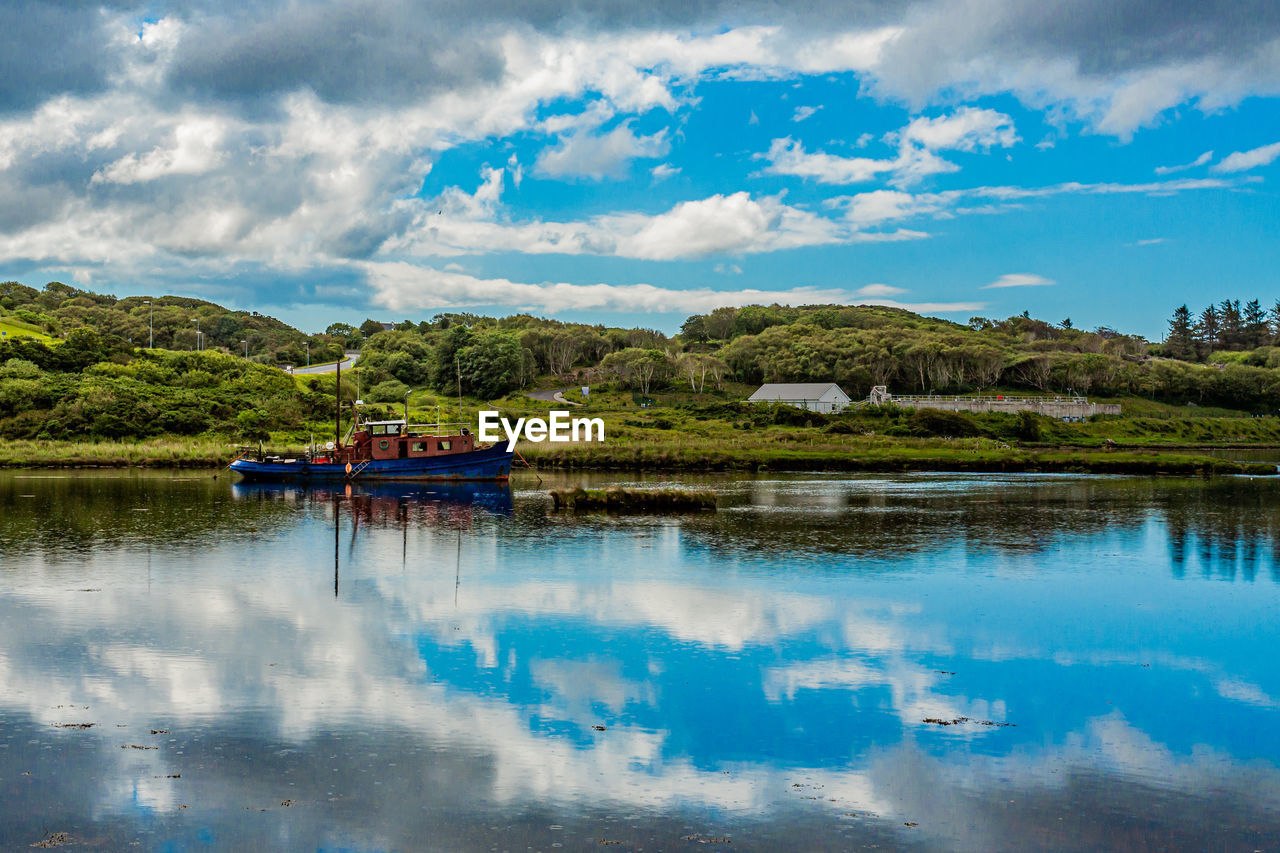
(391, 391)
(936, 422)
(251, 424)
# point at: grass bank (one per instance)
(702, 433)
(150, 453)
(905, 456)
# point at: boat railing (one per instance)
(440, 427)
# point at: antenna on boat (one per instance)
(337, 409)
(458, 373)
(406, 412)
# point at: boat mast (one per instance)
(337, 410)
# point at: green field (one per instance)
(14, 328)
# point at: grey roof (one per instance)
(794, 391)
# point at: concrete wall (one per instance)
(1063, 408)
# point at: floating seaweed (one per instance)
(617, 499)
(958, 720)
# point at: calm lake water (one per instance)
(411, 668)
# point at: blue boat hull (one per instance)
(489, 463)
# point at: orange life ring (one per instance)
(348, 467)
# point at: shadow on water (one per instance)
(387, 502)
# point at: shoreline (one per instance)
(880, 460)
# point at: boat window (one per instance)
(419, 447)
(443, 445)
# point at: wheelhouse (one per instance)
(400, 440)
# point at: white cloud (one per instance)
(1019, 279)
(728, 269)
(967, 129)
(1199, 161)
(788, 157)
(456, 223)
(193, 151)
(400, 286)
(607, 155)
(1153, 241)
(803, 113)
(1241, 161)
(878, 207)
(876, 290)
(662, 171)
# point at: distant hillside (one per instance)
(102, 381)
(59, 308)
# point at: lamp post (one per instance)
(151, 325)
(246, 348)
(308, 353)
(199, 335)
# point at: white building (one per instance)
(814, 396)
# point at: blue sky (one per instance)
(631, 165)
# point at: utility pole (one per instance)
(199, 335)
(151, 325)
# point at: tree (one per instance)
(1255, 332)
(490, 366)
(637, 368)
(697, 366)
(562, 351)
(370, 327)
(694, 330)
(444, 373)
(1179, 343)
(719, 323)
(1231, 327)
(1207, 332)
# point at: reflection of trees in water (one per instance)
(1225, 526)
(889, 518)
(1224, 529)
(77, 513)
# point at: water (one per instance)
(461, 669)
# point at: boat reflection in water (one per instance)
(385, 503)
(392, 505)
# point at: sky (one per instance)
(631, 163)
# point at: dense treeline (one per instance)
(1223, 328)
(99, 379)
(97, 387)
(175, 322)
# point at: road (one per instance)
(347, 363)
(552, 395)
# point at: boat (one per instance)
(382, 450)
